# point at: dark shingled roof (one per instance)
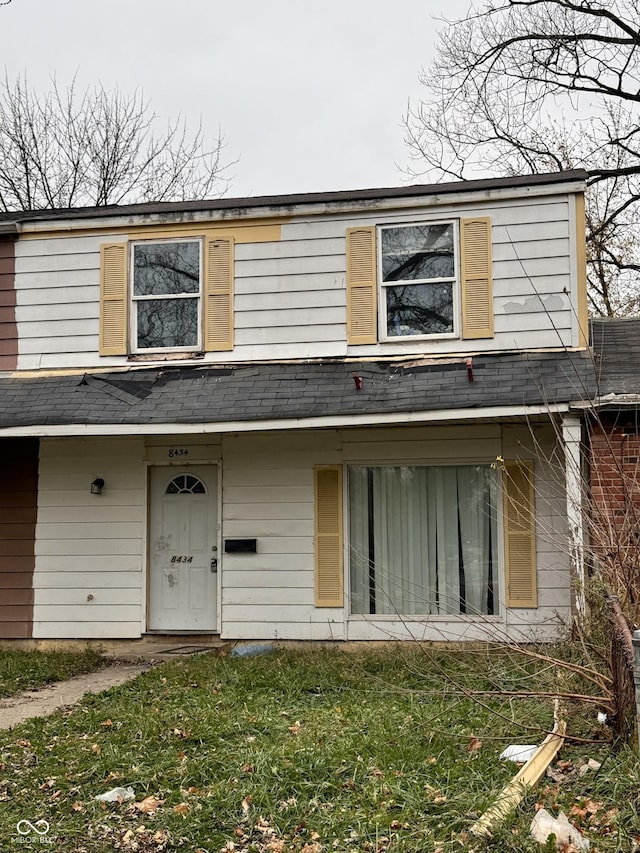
(208, 394)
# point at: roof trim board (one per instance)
(282, 207)
(329, 422)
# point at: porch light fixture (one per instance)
(97, 486)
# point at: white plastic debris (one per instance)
(602, 718)
(591, 764)
(520, 752)
(545, 824)
(116, 795)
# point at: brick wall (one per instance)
(615, 503)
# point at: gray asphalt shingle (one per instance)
(201, 394)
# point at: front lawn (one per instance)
(25, 670)
(305, 751)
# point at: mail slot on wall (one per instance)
(240, 546)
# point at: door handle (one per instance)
(214, 564)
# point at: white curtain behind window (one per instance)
(477, 536)
(421, 539)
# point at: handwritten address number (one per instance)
(182, 559)
(178, 451)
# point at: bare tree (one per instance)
(69, 148)
(532, 86)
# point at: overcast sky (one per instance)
(309, 94)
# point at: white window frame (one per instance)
(134, 300)
(454, 280)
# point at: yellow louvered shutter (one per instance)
(328, 536)
(361, 286)
(520, 534)
(218, 295)
(113, 299)
(477, 287)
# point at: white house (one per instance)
(332, 416)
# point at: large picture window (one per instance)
(423, 540)
(166, 295)
(417, 277)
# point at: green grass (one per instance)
(26, 670)
(303, 751)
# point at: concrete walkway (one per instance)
(40, 703)
(159, 649)
(126, 660)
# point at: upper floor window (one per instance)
(418, 270)
(419, 281)
(167, 285)
(166, 295)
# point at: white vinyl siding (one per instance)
(268, 494)
(88, 579)
(58, 294)
(290, 295)
(90, 545)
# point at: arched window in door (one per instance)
(186, 484)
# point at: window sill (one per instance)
(450, 617)
(403, 339)
(178, 355)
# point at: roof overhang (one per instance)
(302, 204)
(496, 413)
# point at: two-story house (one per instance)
(331, 416)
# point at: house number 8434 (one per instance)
(178, 451)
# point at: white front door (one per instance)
(183, 549)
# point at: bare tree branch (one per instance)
(529, 86)
(66, 148)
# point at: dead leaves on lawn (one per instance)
(474, 744)
(589, 816)
(263, 837)
(149, 805)
(593, 817)
(138, 840)
(436, 796)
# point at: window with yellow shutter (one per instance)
(166, 295)
(423, 539)
(420, 280)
